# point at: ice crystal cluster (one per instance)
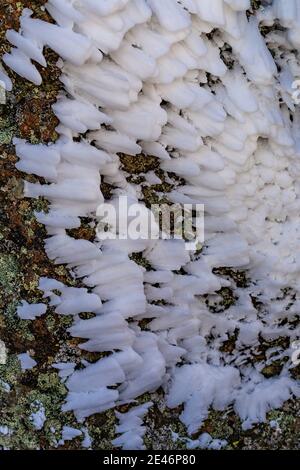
(205, 86)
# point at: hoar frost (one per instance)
(193, 83)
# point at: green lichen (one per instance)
(13, 324)
(140, 260)
(10, 371)
(221, 301)
(50, 381)
(9, 273)
(7, 131)
(255, 4)
(138, 163)
(273, 369)
(21, 402)
(219, 426)
(240, 278)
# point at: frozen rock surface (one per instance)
(193, 83)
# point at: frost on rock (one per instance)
(26, 361)
(69, 433)
(28, 311)
(131, 428)
(197, 85)
(204, 441)
(38, 416)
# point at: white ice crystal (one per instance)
(38, 416)
(204, 441)
(28, 311)
(5, 431)
(131, 428)
(26, 361)
(196, 84)
(69, 433)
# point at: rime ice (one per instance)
(226, 124)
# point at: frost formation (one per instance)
(193, 83)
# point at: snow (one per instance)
(28, 311)
(65, 368)
(5, 80)
(131, 428)
(4, 386)
(204, 441)
(5, 431)
(26, 361)
(87, 440)
(69, 433)
(38, 417)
